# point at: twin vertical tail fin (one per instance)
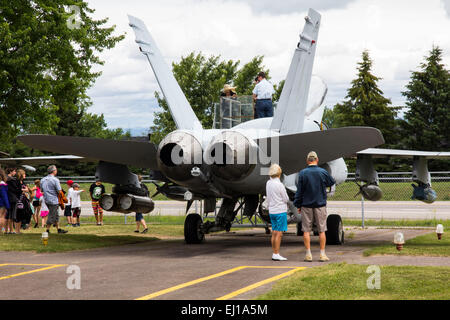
(291, 108)
(181, 110)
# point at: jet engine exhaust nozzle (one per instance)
(177, 154)
(231, 155)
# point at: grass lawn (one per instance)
(425, 245)
(89, 236)
(349, 282)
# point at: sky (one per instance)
(397, 33)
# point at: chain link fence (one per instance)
(396, 186)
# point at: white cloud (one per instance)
(398, 35)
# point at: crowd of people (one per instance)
(22, 205)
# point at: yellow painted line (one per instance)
(27, 264)
(32, 271)
(258, 284)
(187, 284)
(220, 274)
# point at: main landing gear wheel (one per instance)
(335, 232)
(299, 229)
(192, 230)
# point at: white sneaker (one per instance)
(308, 258)
(277, 257)
(323, 258)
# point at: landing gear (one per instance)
(192, 229)
(299, 229)
(335, 232)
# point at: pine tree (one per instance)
(366, 105)
(426, 123)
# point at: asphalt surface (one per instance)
(224, 266)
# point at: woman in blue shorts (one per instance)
(277, 199)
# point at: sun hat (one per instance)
(227, 87)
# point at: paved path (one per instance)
(226, 265)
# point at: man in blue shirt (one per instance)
(51, 187)
(311, 201)
(262, 95)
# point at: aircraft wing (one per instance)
(329, 144)
(133, 153)
(384, 153)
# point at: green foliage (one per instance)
(427, 121)
(245, 77)
(46, 68)
(278, 88)
(201, 80)
(365, 104)
(329, 117)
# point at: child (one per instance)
(44, 211)
(4, 201)
(75, 200)
(68, 207)
(36, 201)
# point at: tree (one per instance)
(427, 121)
(329, 117)
(245, 77)
(201, 80)
(46, 60)
(366, 105)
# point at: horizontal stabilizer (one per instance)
(133, 153)
(384, 153)
(328, 144)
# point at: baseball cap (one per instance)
(69, 182)
(76, 185)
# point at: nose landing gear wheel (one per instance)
(335, 232)
(192, 230)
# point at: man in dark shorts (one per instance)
(311, 201)
(51, 188)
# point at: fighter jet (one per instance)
(196, 163)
